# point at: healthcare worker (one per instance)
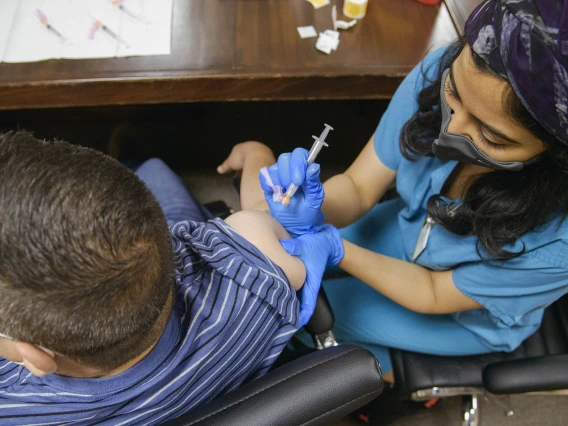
(476, 247)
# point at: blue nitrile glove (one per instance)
(316, 251)
(303, 215)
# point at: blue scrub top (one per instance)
(513, 292)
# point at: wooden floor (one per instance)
(528, 411)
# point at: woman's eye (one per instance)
(488, 143)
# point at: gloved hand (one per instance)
(316, 251)
(303, 215)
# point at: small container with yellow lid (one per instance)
(355, 9)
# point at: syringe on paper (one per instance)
(43, 20)
(98, 25)
(120, 5)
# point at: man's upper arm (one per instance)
(265, 233)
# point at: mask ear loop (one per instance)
(47, 351)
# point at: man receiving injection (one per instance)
(299, 212)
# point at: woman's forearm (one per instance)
(405, 283)
(342, 204)
(408, 284)
(350, 195)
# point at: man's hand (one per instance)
(248, 158)
(303, 215)
(242, 152)
(316, 251)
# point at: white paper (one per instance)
(334, 17)
(323, 47)
(8, 10)
(342, 25)
(333, 34)
(307, 32)
(28, 40)
(328, 41)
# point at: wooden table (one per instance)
(460, 11)
(226, 50)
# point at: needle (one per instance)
(314, 151)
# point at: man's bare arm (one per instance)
(265, 233)
(248, 158)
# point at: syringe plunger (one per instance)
(319, 143)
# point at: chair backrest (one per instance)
(552, 336)
(555, 326)
(540, 361)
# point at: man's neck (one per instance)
(69, 368)
(72, 369)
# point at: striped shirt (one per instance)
(235, 311)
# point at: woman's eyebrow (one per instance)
(496, 132)
(486, 126)
(453, 83)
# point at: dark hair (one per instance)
(501, 206)
(86, 260)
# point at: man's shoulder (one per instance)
(216, 244)
(213, 257)
(10, 373)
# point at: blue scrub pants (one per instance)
(365, 317)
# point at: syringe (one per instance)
(314, 151)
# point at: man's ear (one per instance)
(37, 360)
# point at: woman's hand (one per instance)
(243, 152)
(316, 251)
(303, 215)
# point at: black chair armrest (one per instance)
(534, 374)
(322, 319)
(312, 390)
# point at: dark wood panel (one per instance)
(201, 135)
(159, 91)
(243, 50)
(460, 11)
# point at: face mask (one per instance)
(451, 146)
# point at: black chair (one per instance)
(312, 390)
(540, 364)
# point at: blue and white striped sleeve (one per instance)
(214, 245)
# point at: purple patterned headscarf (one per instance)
(526, 42)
